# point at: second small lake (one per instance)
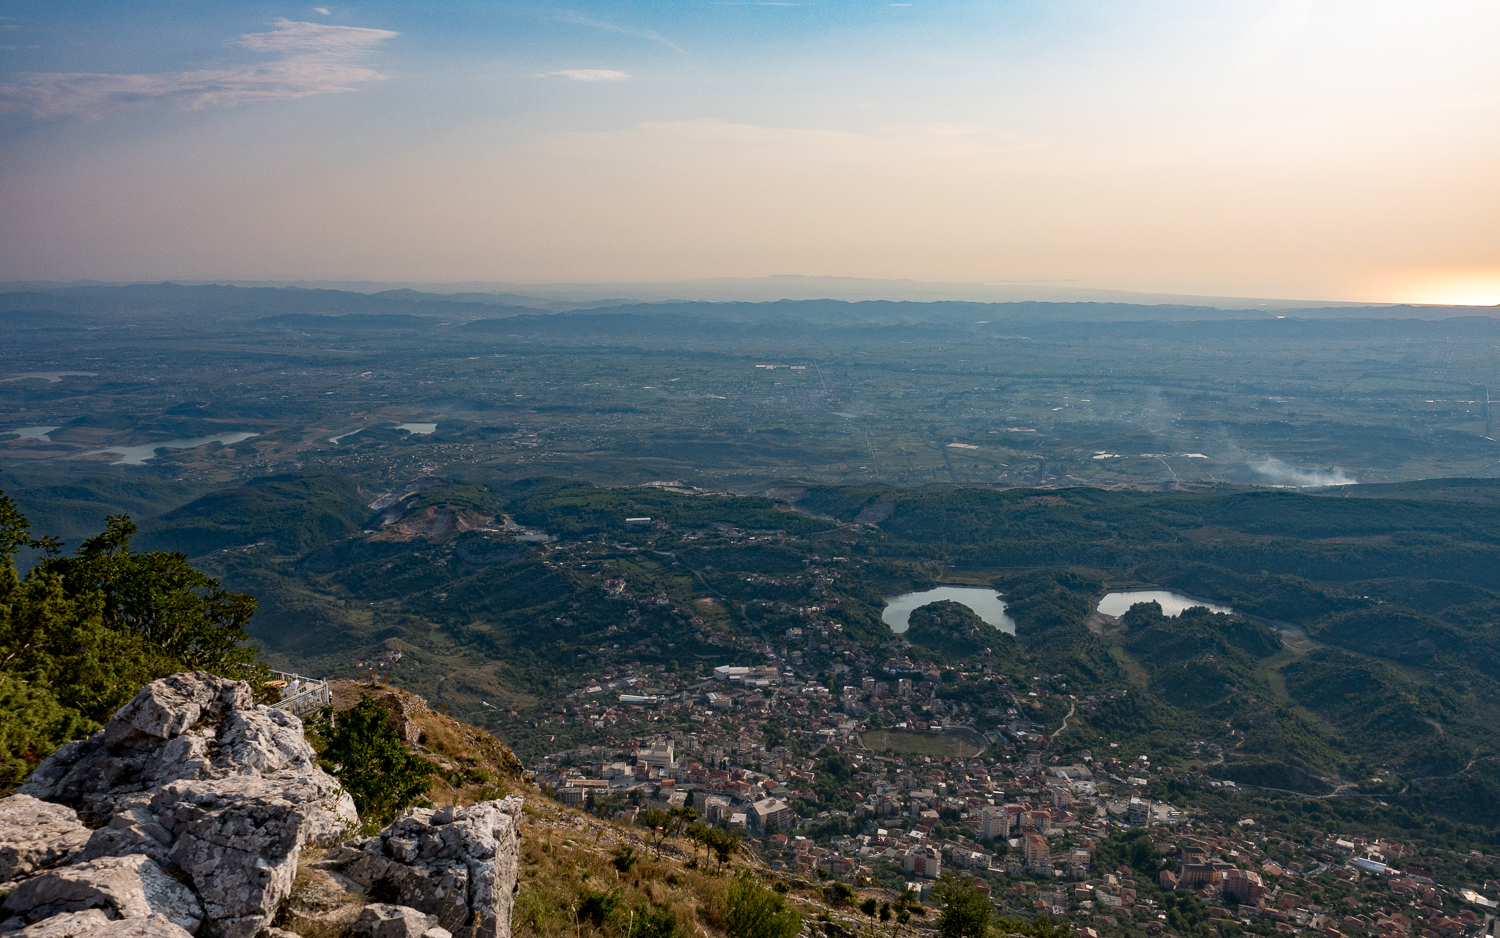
(30, 433)
(51, 377)
(985, 603)
(1172, 604)
(137, 455)
(415, 429)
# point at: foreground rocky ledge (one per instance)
(188, 813)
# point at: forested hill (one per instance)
(1363, 654)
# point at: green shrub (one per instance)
(753, 911)
(80, 635)
(597, 907)
(966, 910)
(364, 754)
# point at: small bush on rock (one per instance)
(365, 755)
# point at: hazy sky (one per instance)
(1329, 150)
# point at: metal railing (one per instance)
(301, 695)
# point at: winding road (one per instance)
(1072, 708)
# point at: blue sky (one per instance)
(1334, 150)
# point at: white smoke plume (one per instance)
(1279, 473)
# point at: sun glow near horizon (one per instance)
(1336, 150)
(1478, 288)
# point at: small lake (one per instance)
(415, 429)
(137, 455)
(1172, 604)
(52, 377)
(30, 433)
(985, 603)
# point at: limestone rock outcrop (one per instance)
(121, 887)
(96, 924)
(459, 864)
(35, 836)
(192, 774)
(383, 920)
(67, 925)
(187, 814)
(191, 727)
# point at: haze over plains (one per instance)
(1318, 150)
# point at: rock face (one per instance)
(201, 803)
(35, 835)
(459, 864)
(189, 728)
(122, 887)
(383, 920)
(95, 924)
(190, 775)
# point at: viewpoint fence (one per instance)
(302, 695)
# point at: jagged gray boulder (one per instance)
(190, 726)
(120, 887)
(35, 835)
(193, 778)
(459, 864)
(171, 706)
(383, 920)
(68, 925)
(192, 774)
(94, 924)
(239, 840)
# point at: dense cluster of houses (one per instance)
(748, 747)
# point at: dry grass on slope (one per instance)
(561, 874)
(567, 861)
(475, 765)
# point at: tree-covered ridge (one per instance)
(1369, 672)
(295, 513)
(80, 635)
(570, 508)
(711, 577)
(953, 630)
(1312, 537)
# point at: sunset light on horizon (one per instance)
(1278, 148)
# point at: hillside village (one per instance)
(1072, 835)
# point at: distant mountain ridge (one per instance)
(577, 295)
(25, 308)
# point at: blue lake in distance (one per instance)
(1172, 604)
(985, 603)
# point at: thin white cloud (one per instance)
(590, 74)
(323, 10)
(626, 30)
(290, 36)
(315, 58)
